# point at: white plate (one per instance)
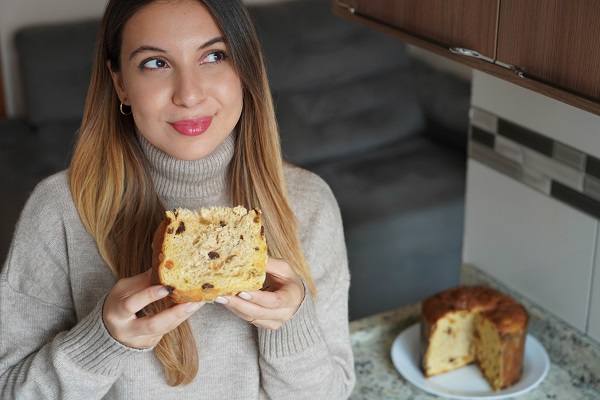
(465, 382)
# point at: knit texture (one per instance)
(53, 343)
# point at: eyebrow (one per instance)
(218, 39)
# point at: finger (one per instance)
(248, 309)
(128, 286)
(279, 267)
(135, 302)
(270, 323)
(279, 274)
(166, 320)
(282, 298)
(146, 332)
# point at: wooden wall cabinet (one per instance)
(549, 46)
(465, 23)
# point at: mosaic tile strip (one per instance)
(484, 120)
(575, 198)
(549, 166)
(526, 137)
(593, 166)
(591, 187)
(483, 137)
(569, 156)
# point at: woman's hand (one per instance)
(130, 296)
(277, 303)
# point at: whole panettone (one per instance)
(468, 324)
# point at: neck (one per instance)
(196, 179)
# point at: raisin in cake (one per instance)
(478, 324)
(199, 255)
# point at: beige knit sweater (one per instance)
(53, 343)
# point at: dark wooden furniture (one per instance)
(549, 46)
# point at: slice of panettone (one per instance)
(200, 255)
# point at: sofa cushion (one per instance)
(307, 47)
(58, 138)
(404, 258)
(339, 88)
(13, 131)
(359, 116)
(55, 65)
(403, 213)
(413, 175)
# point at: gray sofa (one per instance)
(388, 133)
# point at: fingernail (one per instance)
(162, 291)
(244, 295)
(191, 307)
(221, 300)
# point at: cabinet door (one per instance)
(557, 41)
(469, 24)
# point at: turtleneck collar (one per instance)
(196, 179)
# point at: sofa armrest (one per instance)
(12, 131)
(55, 61)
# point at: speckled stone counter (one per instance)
(575, 359)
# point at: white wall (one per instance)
(544, 248)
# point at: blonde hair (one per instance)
(111, 183)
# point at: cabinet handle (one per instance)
(511, 67)
(461, 51)
(350, 8)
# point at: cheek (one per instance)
(143, 94)
(230, 90)
(239, 100)
(233, 94)
(149, 101)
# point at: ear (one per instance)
(118, 83)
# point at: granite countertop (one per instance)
(575, 360)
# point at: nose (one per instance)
(188, 88)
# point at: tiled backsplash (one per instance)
(532, 215)
(551, 167)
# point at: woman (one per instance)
(178, 115)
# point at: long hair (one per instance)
(113, 189)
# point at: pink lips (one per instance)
(192, 127)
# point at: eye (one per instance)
(215, 57)
(153, 63)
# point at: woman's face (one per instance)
(176, 74)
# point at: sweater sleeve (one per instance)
(310, 356)
(45, 352)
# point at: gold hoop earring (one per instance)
(123, 112)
